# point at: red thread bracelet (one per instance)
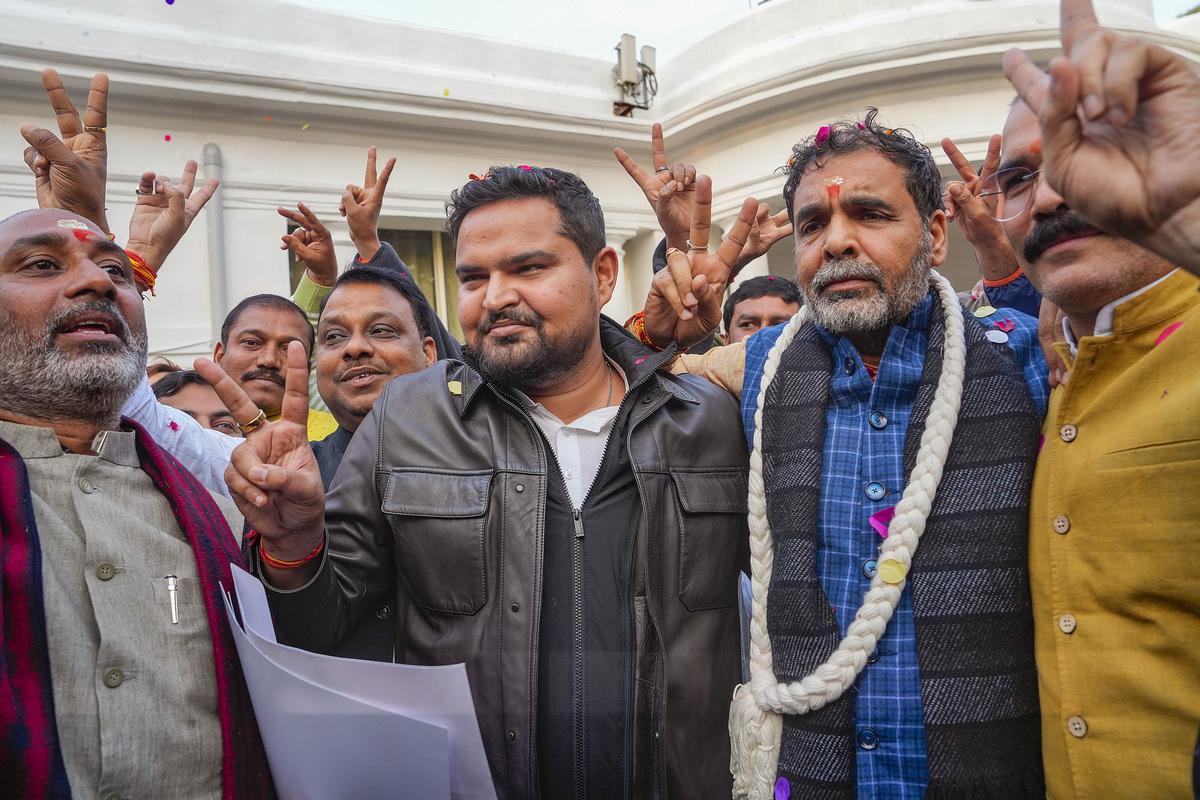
(271, 561)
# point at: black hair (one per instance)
(922, 177)
(762, 286)
(170, 383)
(401, 282)
(581, 218)
(266, 301)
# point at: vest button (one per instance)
(878, 420)
(86, 486)
(105, 571)
(875, 490)
(1068, 433)
(113, 677)
(1067, 623)
(868, 739)
(512, 736)
(520, 487)
(869, 568)
(1077, 726)
(647, 400)
(1062, 524)
(383, 612)
(515, 607)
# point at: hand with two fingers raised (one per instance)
(273, 476)
(1119, 118)
(311, 243)
(71, 173)
(164, 211)
(362, 205)
(670, 190)
(974, 211)
(684, 302)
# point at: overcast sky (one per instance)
(586, 27)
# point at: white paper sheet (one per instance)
(439, 697)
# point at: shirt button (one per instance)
(515, 607)
(869, 568)
(878, 420)
(383, 612)
(1068, 433)
(86, 486)
(1077, 726)
(867, 739)
(512, 736)
(875, 490)
(1062, 524)
(566, 433)
(871, 659)
(520, 487)
(105, 571)
(1066, 623)
(570, 474)
(849, 365)
(113, 677)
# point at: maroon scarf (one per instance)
(31, 764)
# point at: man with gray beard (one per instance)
(119, 673)
(880, 417)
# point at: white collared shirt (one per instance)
(579, 446)
(1104, 317)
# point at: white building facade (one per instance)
(281, 103)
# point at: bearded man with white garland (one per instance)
(879, 417)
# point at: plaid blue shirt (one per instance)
(864, 443)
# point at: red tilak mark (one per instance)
(81, 234)
(1167, 331)
(834, 190)
(1036, 147)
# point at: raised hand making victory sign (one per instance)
(273, 476)
(1119, 119)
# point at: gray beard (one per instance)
(42, 382)
(869, 317)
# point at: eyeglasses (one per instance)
(1012, 190)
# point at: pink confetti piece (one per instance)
(881, 519)
(174, 425)
(167, 137)
(638, 361)
(822, 135)
(1006, 325)
(525, 168)
(1167, 331)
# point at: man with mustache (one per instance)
(556, 512)
(880, 419)
(1100, 197)
(120, 676)
(254, 338)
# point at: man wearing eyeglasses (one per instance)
(1100, 198)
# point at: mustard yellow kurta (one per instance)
(1115, 556)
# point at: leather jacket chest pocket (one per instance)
(438, 523)
(712, 534)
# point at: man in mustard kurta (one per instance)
(1104, 214)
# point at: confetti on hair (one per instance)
(525, 168)
(1167, 331)
(889, 131)
(822, 135)
(860, 126)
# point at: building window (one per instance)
(430, 257)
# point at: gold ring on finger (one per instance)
(95, 129)
(672, 251)
(254, 424)
(691, 246)
(662, 169)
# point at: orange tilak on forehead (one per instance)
(833, 187)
